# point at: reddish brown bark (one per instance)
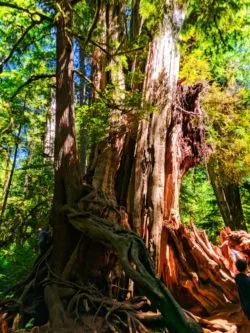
(110, 151)
(67, 172)
(83, 136)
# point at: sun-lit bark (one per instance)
(99, 57)
(150, 159)
(50, 128)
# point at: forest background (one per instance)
(214, 48)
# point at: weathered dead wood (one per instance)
(200, 276)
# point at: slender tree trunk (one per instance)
(7, 171)
(7, 189)
(137, 63)
(99, 58)
(228, 199)
(83, 130)
(67, 171)
(135, 20)
(50, 128)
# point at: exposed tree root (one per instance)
(129, 248)
(200, 274)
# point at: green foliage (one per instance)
(215, 51)
(245, 199)
(228, 131)
(94, 118)
(32, 184)
(151, 12)
(198, 203)
(219, 31)
(27, 48)
(15, 262)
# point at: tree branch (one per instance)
(102, 49)
(38, 166)
(30, 80)
(130, 51)
(32, 14)
(16, 45)
(93, 25)
(108, 101)
(79, 73)
(99, 92)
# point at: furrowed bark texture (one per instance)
(99, 58)
(110, 154)
(67, 172)
(112, 151)
(148, 207)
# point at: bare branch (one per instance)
(30, 80)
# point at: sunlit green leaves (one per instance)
(228, 131)
(198, 202)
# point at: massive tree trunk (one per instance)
(228, 199)
(149, 170)
(167, 144)
(101, 204)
